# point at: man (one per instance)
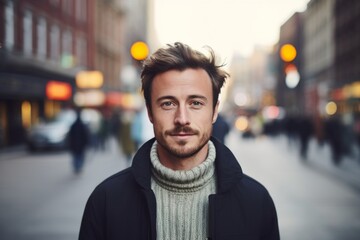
(183, 184)
(220, 128)
(78, 141)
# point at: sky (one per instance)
(227, 26)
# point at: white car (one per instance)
(52, 134)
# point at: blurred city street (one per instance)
(291, 96)
(42, 199)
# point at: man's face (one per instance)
(182, 112)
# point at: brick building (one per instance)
(40, 41)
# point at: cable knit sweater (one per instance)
(182, 197)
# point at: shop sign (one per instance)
(89, 98)
(89, 79)
(56, 90)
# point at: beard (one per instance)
(181, 149)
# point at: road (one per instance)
(42, 199)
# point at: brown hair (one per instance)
(180, 57)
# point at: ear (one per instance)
(216, 112)
(149, 113)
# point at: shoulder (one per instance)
(251, 185)
(116, 184)
(253, 192)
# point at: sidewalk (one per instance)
(41, 197)
(348, 170)
(319, 159)
(13, 152)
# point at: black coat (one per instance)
(124, 206)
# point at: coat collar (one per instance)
(228, 170)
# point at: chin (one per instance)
(185, 149)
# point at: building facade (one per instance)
(109, 37)
(346, 88)
(40, 42)
(319, 54)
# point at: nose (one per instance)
(182, 116)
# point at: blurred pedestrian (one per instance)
(126, 142)
(78, 140)
(290, 124)
(115, 126)
(333, 133)
(103, 132)
(357, 134)
(221, 128)
(141, 128)
(305, 132)
(184, 184)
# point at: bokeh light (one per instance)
(139, 50)
(288, 53)
(331, 108)
(242, 123)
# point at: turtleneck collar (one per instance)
(183, 180)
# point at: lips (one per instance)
(182, 133)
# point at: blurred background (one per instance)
(290, 110)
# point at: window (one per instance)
(41, 38)
(27, 32)
(67, 42)
(9, 24)
(81, 53)
(26, 114)
(67, 57)
(67, 6)
(54, 43)
(55, 3)
(80, 8)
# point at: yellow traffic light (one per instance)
(288, 53)
(139, 50)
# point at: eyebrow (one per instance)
(198, 96)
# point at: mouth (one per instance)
(181, 134)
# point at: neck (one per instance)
(181, 163)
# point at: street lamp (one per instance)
(139, 50)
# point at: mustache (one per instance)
(181, 129)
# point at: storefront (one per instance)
(25, 99)
(347, 99)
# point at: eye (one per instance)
(196, 104)
(167, 105)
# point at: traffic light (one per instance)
(288, 55)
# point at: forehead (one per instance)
(186, 82)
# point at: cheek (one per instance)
(204, 121)
(161, 123)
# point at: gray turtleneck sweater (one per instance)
(182, 197)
